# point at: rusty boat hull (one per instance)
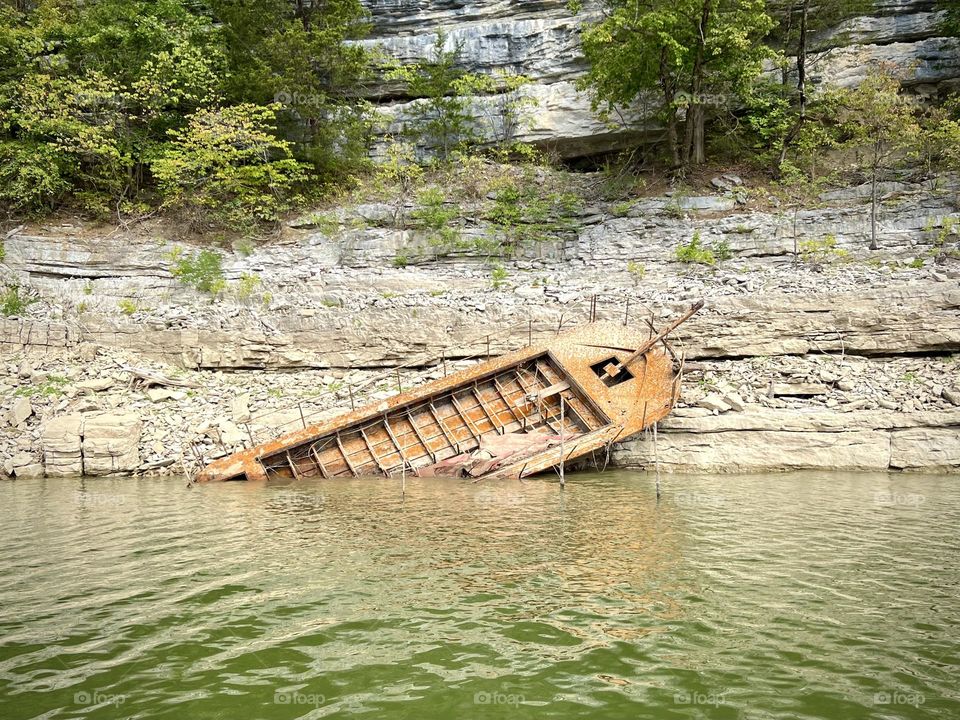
(510, 417)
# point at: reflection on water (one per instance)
(779, 596)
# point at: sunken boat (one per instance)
(509, 417)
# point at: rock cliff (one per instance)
(845, 361)
(541, 40)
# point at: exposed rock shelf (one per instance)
(541, 40)
(849, 363)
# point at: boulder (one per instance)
(161, 394)
(240, 409)
(33, 470)
(925, 448)
(714, 403)
(111, 443)
(61, 440)
(21, 410)
(97, 385)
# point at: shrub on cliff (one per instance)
(227, 166)
(90, 90)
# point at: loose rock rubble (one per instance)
(780, 338)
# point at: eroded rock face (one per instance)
(111, 444)
(844, 363)
(61, 442)
(541, 40)
(764, 439)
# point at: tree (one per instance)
(299, 54)
(951, 23)
(90, 90)
(228, 165)
(880, 124)
(443, 118)
(693, 54)
(799, 21)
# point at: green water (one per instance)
(776, 596)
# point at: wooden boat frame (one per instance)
(565, 399)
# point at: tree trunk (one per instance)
(694, 141)
(802, 61)
(668, 85)
(875, 170)
(801, 84)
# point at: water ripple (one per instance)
(787, 596)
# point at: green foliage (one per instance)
(498, 277)
(401, 260)
(246, 286)
(90, 91)
(528, 212)
(227, 165)
(444, 117)
(722, 251)
(942, 249)
(691, 55)
(951, 22)
(12, 303)
(638, 271)
(822, 251)
(435, 216)
(695, 252)
(916, 263)
(202, 271)
(128, 306)
(244, 247)
(53, 387)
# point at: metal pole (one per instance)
(302, 418)
(252, 441)
(399, 386)
(563, 429)
(656, 459)
(488, 347)
(350, 390)
(443, 357)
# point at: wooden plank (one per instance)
(393, 439)
(416, 430)
(373, 453)
(554, 389)
(465, 418)
(483, 407)
(503, 396)
(346, 459)
(454, 445)
(293, 466)
(316, 459)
